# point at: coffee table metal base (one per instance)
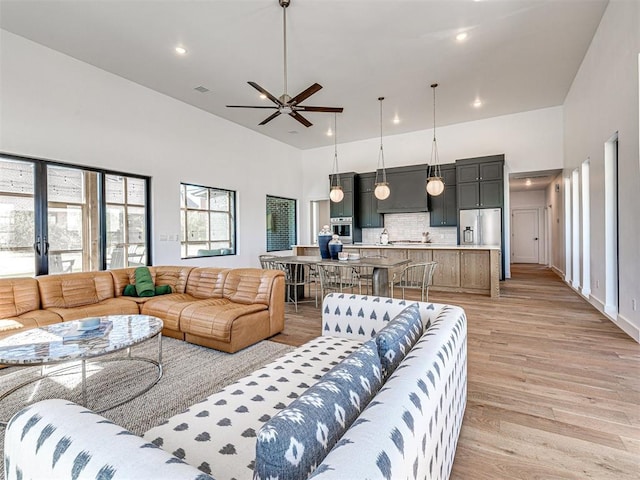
(83, 369)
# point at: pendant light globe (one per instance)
(435, 182)
(435, 186)
(336, 194)
(382, 191)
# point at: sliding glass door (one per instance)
(58, 219)
(17, 219)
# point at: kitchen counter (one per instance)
(461, 268)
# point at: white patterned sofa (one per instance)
(344, 405)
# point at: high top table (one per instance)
(71, 341)
(380, 274)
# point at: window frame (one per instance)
(41, 202)
(232, 214)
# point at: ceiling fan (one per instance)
(286, 104)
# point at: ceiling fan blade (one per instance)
(250, 106)
(264, 92)
(301, 119)
(306, 93)
(269, 118)
(319, 109)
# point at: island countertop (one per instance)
(412, 245)
(461, 268)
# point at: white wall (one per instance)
(603, 100)
(56, 107)
(555, 203)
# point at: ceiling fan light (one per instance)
(435, 186)
(382, 191)
(336, 194)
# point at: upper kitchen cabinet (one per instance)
(408, 194)
(480, 182)
(346, 207)
(444, 207)
(368, 216)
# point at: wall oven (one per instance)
(343, 227)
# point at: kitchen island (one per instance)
(461, 268)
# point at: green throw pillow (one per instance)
(130, 291)
(163, 289)
(144, 282)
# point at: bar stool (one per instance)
(417, 275)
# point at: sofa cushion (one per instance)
(110, 306)
(411, 427)
(218, 435)
(71, 290)
(213, 318)
(250, 285)
(293, 442)
(18, 296)
(397, 338)
(206, 282)
(168, 308)
(175, 277)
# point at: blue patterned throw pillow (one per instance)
(396, 339)
(296, 440)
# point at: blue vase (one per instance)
(323, 243)
(334, 249)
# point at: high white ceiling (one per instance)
(519, 55)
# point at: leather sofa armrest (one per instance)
(276, 305)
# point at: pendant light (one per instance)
(435, 183)
(336, 194)
(382, 190)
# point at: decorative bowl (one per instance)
(89, 323)
(354, 256)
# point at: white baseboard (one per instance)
(621, 322)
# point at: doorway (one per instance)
(525, 235)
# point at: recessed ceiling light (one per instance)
(477, 103)
(181, 50)
(263, 96)
(462, 36)
(528, 182)
(396, 119)
(329, 132)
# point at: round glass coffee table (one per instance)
(82, 341)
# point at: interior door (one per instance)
(524, 236)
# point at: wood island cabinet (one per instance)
(447, 273)
(475, 270)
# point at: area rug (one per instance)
(191, 373)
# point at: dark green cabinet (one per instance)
(368, 216)
(408, 193)
(444, 207)
(346, 207)
(480, 182)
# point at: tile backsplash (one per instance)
(409, 227)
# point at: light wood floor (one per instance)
(553, 386)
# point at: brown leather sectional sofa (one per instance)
(225, 309)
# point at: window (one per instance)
(207, 221)
(57, 218)
(126, 226)
(281, 223)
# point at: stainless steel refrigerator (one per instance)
(482, 226)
